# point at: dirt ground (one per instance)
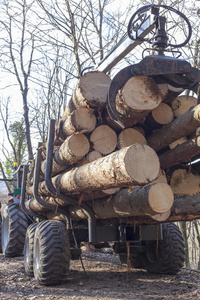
(105, 278)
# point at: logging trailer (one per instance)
(101, 176)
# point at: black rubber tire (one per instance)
(14, 226)
(169, 256)
(51, 254)
(136, 262)
(28, 249)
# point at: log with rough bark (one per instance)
(74, 148)
(91, 92)
(180, 127)
(161, 115)
(134, 165)
(130, 136)
(180, 154)
(151, 199)
(185, 208)
(182, 103)
(184, 183)
(103, 139)
(81, 120)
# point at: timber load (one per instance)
(141, 172)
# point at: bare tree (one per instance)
(18, 47)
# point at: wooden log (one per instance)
(160, 116)
(185, 208)
(80, 120)
(138, 96)
(184, 183)
(152, 199)
(140, 93)
(173, 93)
(74, 148)
(178, 142)
(180, 154)
(91, 92)
(133, 165)
(182, 103)
(161, 177)
(103, 139)
(130, 136)
(91, 156)
(180, 127)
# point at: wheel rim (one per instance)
(5, 232)
(26, 252)
(37, 255)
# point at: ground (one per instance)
(105, 278)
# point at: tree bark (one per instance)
(74, 148)
(134, 165)
(150, 199)
(180, 127)
(180, 154)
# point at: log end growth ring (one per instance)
(161, 197)
(142, 163)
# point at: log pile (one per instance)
(121, 173)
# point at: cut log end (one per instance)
(142, 163)
(184, 183)
(141, 93)
(92, 90)
(81, 120)
(78, 145)
(161, 197)
(130, 136)
(182, 103)
(103, 139)
(163, 114)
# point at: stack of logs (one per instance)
(134, 172)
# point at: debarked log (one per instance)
(182, 126)
(133, 165)
(180, 154)
(74, 148)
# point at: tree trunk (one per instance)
(134, 165)
(130, 136)
(74, 148)
(103, 139)
(180, 127)
(180, 154)
(81, 120)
